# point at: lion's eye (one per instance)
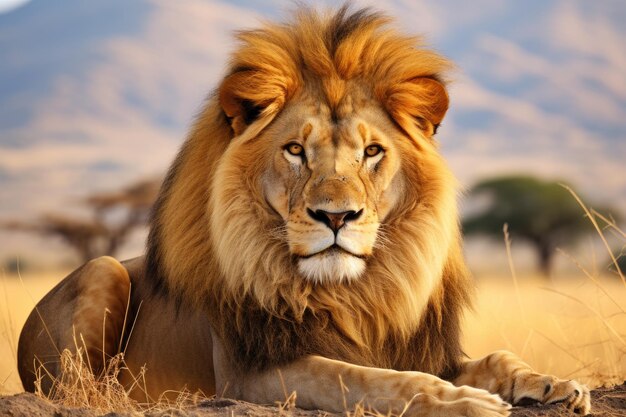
(373, 150)
(295, 149)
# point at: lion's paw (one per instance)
(478, 407)
(470, 401)
(463, 401)
(531, 387)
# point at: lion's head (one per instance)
(311, 182)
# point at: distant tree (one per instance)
(122, 212)
(543, 213)
(114, 216)
(13, 265)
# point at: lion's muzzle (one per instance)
(334, 221)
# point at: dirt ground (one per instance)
(606, 402)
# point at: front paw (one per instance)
(533, 387)
(470, 401)
(463, 401)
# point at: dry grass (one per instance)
(17, 299)
(572, 327)
(79, 387)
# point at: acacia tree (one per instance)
(543, 213)
(113, 217)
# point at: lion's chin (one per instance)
(331, 266)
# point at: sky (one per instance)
(97, 95)
(8, 5)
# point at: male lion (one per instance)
(306, 238)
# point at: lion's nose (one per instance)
(334, 221)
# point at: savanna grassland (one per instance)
(572, 327)
(18, 296)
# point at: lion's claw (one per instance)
(545, 389)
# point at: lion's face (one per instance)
(332, 183)
(326, 178)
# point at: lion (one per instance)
(305, 239)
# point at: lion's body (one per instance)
(308, 225)
(166, 336)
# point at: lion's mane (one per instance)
(404, 312)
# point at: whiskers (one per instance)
(383, 240)
(278, 233)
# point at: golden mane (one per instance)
(262, 311)
(325, 53)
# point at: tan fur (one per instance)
(85, 311)
(516, 382)
(100, 310)
(326, 270)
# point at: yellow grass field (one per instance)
(17, 299)
(574, 328)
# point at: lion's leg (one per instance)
(85, 310)
(321, 383)
(100, 310)
(504, 373)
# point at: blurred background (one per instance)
(96, 98)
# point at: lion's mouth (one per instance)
(333, 249)
(333, 264)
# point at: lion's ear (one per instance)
(248, 95)
(418, 103)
